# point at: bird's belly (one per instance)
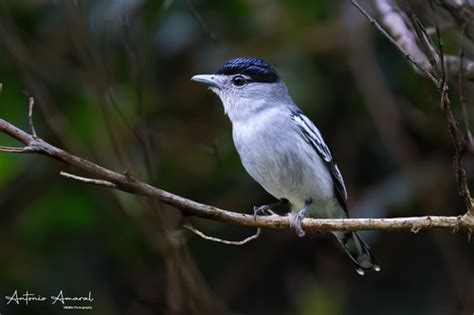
(288, 169)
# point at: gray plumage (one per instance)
(282, 149)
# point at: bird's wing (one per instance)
(313, 137)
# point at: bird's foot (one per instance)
(299, 218)
(260, 210)
(298, 228)
(281, 204)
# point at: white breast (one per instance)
(278, 158)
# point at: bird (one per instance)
(283, 150)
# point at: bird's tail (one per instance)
(358, 251)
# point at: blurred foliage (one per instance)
(111, 81)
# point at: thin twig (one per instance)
(462, 98)
(140, 130)
(444, 79)
(374, 23)
(139, 136)
(396, 23)
(30, 116)
(219, 240)
(426, 43)
(456, 135)
(92, 181)
(25, 149)
(200, 20)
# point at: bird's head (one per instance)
(246, 85)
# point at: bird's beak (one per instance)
(208, 79)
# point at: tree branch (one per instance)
(416, 63)
(402, 35)
(127, 183)
(436, 72)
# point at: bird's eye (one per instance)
(239, 80)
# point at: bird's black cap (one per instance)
(257, 69)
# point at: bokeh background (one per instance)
(111, 80)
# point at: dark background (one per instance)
(112, 84)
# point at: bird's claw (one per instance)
(259, 210)
(298, 228)
(299, 217)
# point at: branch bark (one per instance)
(125, 182)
